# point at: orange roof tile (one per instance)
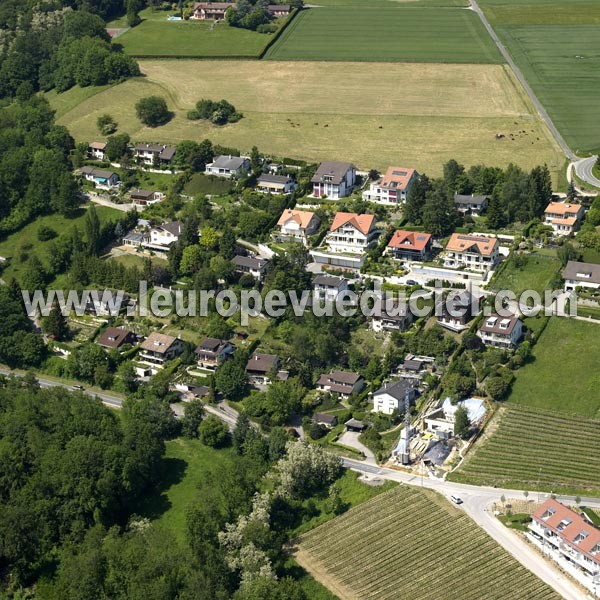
(363, 223)
(397, 178)
(562, 208)
(459, 242)
(409, 239)
(302, 217)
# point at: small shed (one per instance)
(355, 425)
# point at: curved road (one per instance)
(477, 503)
(583, 167)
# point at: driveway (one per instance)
(350, 438)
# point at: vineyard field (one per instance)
(413, 543)
(529, 445)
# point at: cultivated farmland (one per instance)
(564, 375)
(442, 112)
(410, 543)
(406, 32)
(560, 451)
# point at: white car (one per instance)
(456, 500)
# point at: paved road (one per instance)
(584, 170)
(110, 400)
(478, 504)
(101, 201)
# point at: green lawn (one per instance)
(564, 375)
(535, 274)
(24, 243)
(155, 36)
(207, 185)
(405, 32)
(557, 47)
(186, 465)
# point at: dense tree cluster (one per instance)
(218, 113)
(59, 44)
(35, 170)
(249, 15)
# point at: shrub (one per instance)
(46, 233)
(153, 111)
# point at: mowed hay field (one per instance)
(557, 46)
(439, 112)
(406, 32)
(564, 375)
(527, 446)
(411, 543)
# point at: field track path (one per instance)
(582, 165)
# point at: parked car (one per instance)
(456, 500)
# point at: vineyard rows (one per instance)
(408, 543)
(560, 451)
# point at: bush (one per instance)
(153, 111)
(219, 113)
(267, 28)
(213, 432)
(46, 233)
(106, 125)
(317, 431)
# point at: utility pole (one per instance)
(406, 453)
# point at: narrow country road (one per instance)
(583, 166)
(478, 504)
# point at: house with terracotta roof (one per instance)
(275, 184)
(570, 535)
(501, 332)
(342, 383)
(158, 348)
(349, 237)
(474, 252)
(214, 11)
(333, 180)
(97, 150)
(392, 189)
(297, 224)
(410, 245)
(564, 218)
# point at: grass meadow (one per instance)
(533, 273)
(412, 543)
(564, 375)
(536, 449)
(155, 36)
(443, 111)
(405, 32)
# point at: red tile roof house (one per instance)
(211, 352)
(211, 10)
(96, 150)
(477, 253)
(501, 332)
(260, 366)
(410, 245)
(115, 337)
(333, 180)
(569, 534)
(392, 189)
(149, 153)
(297, 224)
(564, 218)
(342, 383)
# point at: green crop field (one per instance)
(564, 374)
(527, 272)
(541, 12)
(527, 446)
(444, 111)
(155, 36)
(402, 33)
(410, 543)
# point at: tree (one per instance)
(106, 124)
(494, 214)
(497, 387)
(153, 111)
(571, 192)
(213, 432)
(191, 259)
(231, 379)
(209, 238)
(133, 9)
(240, 433)
(92, 232)
(255, 158)
(127, 376)
(117, 147)
(55, 324)
(193, 413)
(567, 252)
(462, 423)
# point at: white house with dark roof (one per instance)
(328, 287)
(342, 383)
(393, 188)
(101, 178)
(502, 332)
(581, 275)
(275, 184)
(163, 236)
(97, 150)
(228, 166)
(260, 366)
(211, 352)
(391, 315)
(333, 180)
(150, 154)
(255, 266)
(470, 204)
(159, 348)
(145, 197)
(391, 396)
